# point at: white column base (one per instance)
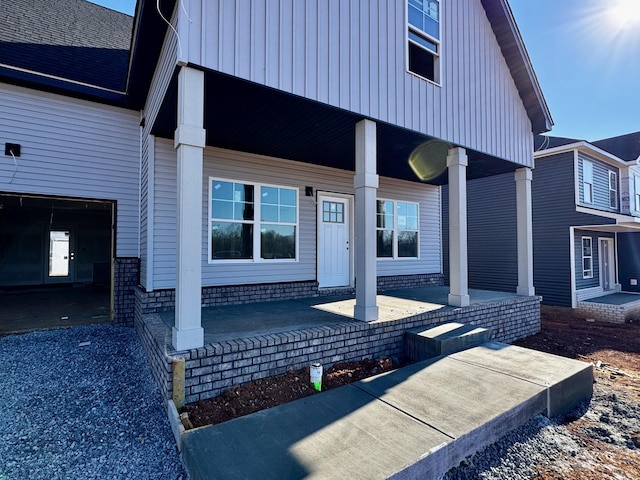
(527, 291)
(187, 339)
(458, 300)
(365, 314)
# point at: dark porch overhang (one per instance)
(244, 116)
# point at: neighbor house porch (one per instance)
(256, 340)
(617, 307)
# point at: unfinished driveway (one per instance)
(80, 403)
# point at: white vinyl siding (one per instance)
(227, 164)
(352, 55)
(74, 148)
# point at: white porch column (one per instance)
(365, 182)
(189, 143)
(523, 178)
(458, 271)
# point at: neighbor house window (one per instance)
(423, 38)
(587, 181)
(636, 185)
(613, 190)
(397, 229)
(587, 258)
(244, 227)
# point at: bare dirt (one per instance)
(599, 441)
(607, 434)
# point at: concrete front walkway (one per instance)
(415, 422)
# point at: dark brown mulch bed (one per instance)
(269, 392)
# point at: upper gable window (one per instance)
(587, 181)
(636, 185)
(423, 38)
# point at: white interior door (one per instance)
(334, 249)
(60, 256)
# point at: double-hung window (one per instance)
(397, 229)
(252, 221)
(587, 181)
(423, 38)
(636, 188)
(587, 258)
(613, 190)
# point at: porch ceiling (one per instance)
(244, 116)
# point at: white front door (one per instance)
(607, 264)
(334, 249)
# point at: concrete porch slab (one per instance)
(415, 422)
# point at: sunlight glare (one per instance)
(624, 13)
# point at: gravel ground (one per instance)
(552, 448)
(80, 403)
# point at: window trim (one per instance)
(587, 273)
(636, 191)
(256, 222)
(395, 256)
(613, 189)
(587, 182)
(437, 70)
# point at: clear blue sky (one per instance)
(586, 54)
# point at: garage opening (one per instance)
(55, 261)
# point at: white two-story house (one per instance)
(256, 150)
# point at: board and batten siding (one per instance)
(600, 183)
(73, 148)
(553, 208)
(240, 166)
(491, 233)
(352, 55)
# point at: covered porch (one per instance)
(251, 341)
(291, 127)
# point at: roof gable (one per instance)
(512, 46)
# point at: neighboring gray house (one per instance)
(586, 221)
(257, 150)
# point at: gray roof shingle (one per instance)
(625, 147)
(70, 39)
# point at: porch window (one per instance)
(587, 181)
(636, 185)
(423, 38)
(613, 190)
(587, 258)
(243, 228)
(397, 229)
